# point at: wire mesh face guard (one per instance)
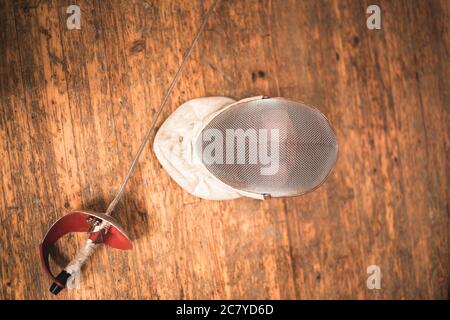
(270, 146)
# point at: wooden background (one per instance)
(75, 104)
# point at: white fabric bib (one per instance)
(174, 146)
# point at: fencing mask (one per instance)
(216, 148)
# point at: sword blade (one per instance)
(147, 135)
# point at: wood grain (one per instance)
(74, 105)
